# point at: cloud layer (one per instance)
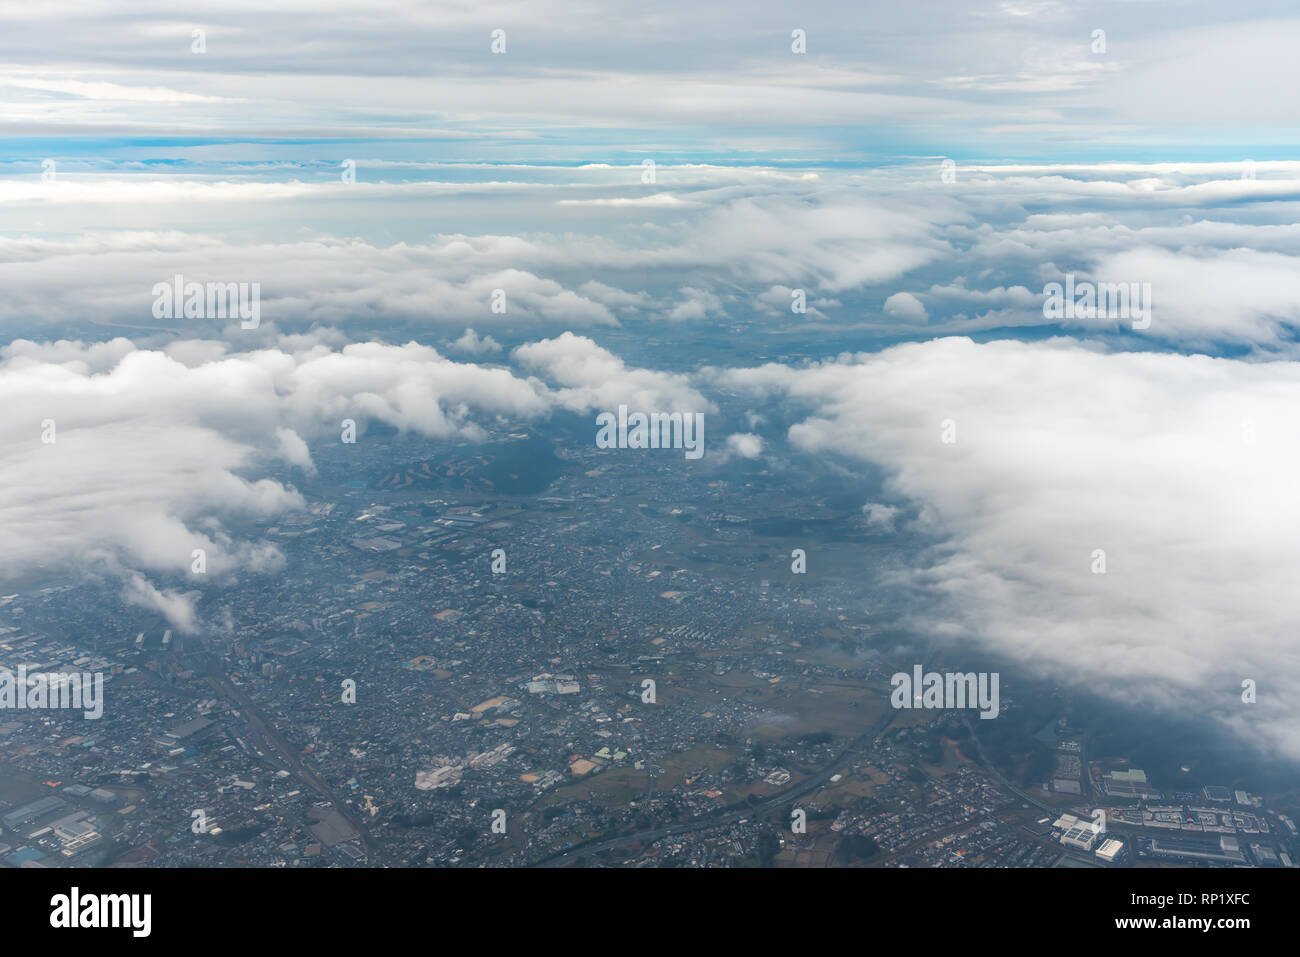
(125, 460)
(1180, 469)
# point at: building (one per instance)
(1081, 835)
(76, 836)
(1264, 855)
(31, 812)
(1110, 850)
(1129, 784)
(189, 731)
(1225, 851)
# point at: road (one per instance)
(997, 775)
(727, 815)
(210, 668)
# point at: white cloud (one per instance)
(656, 200)
(156, 454)
(697, 304)
(906, 307)
(1240, 295)
(324, 281)
(1062, 449)
(591, 377)
(471, 343)
(880, 516)
(745, 444)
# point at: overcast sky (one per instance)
(671, 78)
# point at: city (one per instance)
(626, 668)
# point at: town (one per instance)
(636, 678)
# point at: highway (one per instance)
(997, 775)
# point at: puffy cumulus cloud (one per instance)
(747, 445)
(1211, 283)
(754, 232)
(778, 300)
(124, 460)
(697, 304)
(177, 607)
(799, 234)
(411, 387)
(906, 307)
(803, 233)
(194, 352)
(1014, 296)
(1182, 469)
(293, 449)
(880, 516)
(1217, 248)
(327, 281)
(119, 492)
(1219, 251)
(1065, 237)
(471, 343)
(829, 239)
(1240, 295)
(77, 357)
(589, 377)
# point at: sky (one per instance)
(644, 182)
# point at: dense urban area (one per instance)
(541, 653)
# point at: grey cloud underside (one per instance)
(986, 69)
